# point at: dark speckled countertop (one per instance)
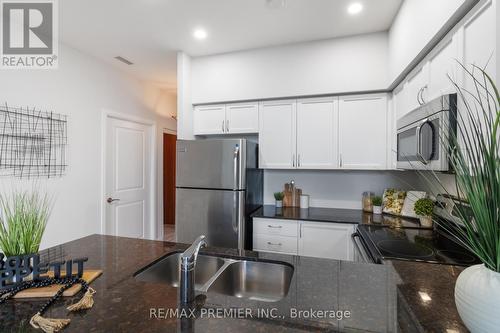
(122, 303)
(371, 293)
(333, 215)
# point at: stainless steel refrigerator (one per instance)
(218, 186)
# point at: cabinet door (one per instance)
(326, 240)
(363, 132)
(210, 119)
(417, 81)
(317, 136)
(242, 118)
(442, 65)
(277, 135)
(479, 40)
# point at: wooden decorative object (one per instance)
(50, 291)
(292, 195)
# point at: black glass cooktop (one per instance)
(414, 244)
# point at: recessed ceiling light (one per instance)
(355, 8)
(200, 34)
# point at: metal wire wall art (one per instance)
(32, 143)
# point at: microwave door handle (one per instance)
(419, 145)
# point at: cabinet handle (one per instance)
(223, 127)
(422, 94)
(227, 126)
(298, 163)
(300, 230)
(275, 244)
(418, 97)
(341, 160)
(293, 160)
(274, 226)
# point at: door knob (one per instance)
(111, 200)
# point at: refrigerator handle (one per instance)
(236, 167)
(239, 218)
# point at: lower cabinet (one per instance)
(304, 238)
(326, 240)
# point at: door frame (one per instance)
(160, 229)
(110, 114)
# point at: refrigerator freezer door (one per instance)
(211, 164)
(217, 214)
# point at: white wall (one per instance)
(81, 88)
(416, 23)
(184, 97)
(356, 63)
(337, 189)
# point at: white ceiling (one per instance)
(150, 32)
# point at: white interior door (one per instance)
(128, 163)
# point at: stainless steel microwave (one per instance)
(423, 135)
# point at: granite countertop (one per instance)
(426, 297)
(123, 304)
(334, 215)
(379, 298)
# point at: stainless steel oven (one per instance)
(423, 135)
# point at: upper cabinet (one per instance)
(317, 134)
(441, 66)
(209, 119)
(277, 142)
(236, 118)
(299, 134)
(242, 118)
(363, 122)
(324, 133)
(470, 42)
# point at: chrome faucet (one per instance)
(188, 265)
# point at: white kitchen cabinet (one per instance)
(275, 235)
(277, 137)
(236, 118)
(242, 118)
(416, 86)
(326, 240)
(442, 65)
(479, 41)
(317, 136)
(363, 124)
(210, 119)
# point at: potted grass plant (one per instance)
(424, 208)
(23, 219)
(377, 204)
(278, 197)
(474, 154)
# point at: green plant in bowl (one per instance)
(23, 218)
(377, 200)
(424, 207)
(278, 196)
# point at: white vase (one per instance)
(279, 203)
(425, 221)
(377, 209)
(477, 296)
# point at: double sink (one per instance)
(253, 280)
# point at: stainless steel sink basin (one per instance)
(261, 281)
(167, 270)
(255, 280)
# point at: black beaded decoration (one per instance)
(67, 283)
